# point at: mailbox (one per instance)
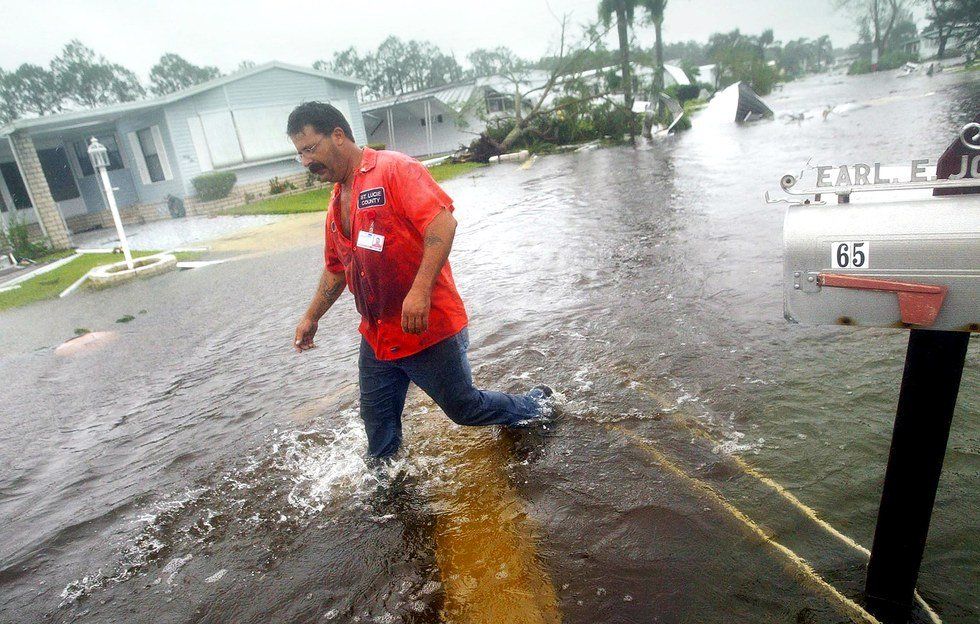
(912, 263)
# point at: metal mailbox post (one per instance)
(912, 263)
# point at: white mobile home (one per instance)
(158, 146)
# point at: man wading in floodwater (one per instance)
(389, 230)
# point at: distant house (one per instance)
(926, 45)
(441, 119)
(157, 146)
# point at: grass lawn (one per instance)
(316, 201)
(54, 255)
(311, 201)
(50, 284)
(446, 171)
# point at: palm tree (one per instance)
(824, 51)
(623, 10)
(655, 13)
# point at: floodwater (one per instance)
(193, 469)
(172, 233)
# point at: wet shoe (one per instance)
(541, 392)
(548, 402)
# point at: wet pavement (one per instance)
(171, 233)
(194, 469)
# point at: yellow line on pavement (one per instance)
(485, 543)
(845, 605)
(775, 486)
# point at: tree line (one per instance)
(78, 77)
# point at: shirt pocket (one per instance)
(377, 221)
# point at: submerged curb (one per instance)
(116, 273)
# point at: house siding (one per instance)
(157, 191)
(277, 86)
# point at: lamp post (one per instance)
(99, 156)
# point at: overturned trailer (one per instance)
(738, 103)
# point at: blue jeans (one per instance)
(441, 371)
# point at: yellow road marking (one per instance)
(485, 542)
(844, 604)
(775, 486)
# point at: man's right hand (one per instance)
(304, 335)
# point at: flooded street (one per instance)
(196, 469)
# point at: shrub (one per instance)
(212, 186)
(277, 186)
(613, 121)
(17, 239)
(888, 60)
(377, 146)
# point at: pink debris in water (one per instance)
(85, 342)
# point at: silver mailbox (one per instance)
(913, 263)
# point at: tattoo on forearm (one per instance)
(432, 240)
(330, 293)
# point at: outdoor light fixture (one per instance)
(98, 153)
(99, 156)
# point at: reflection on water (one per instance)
(195, 469)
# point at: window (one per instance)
(226, 138)
(497, 103)
(15, 184)
(439, 118)
(422, 121)
(222, 138)
(261, 132)
(57, 171)
(150, 155)
(85, 163)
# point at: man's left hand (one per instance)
(415, 311)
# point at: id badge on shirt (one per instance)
(370, 240)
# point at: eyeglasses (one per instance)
(307, 150)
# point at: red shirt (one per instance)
(393, 196)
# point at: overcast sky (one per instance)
(135, 33)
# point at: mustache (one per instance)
(317, 168)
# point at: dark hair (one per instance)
(323, 117)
